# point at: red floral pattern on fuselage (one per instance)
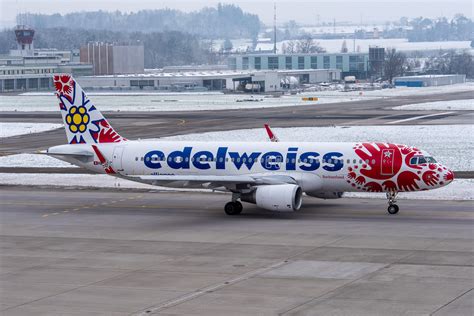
(387, 167)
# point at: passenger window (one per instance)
(348, 161)
(373, 161)
(354, 161)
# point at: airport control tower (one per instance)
(24, 38)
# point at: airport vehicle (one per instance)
(273, 175)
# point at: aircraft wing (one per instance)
(232, 183)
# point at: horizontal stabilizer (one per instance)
(82, 154)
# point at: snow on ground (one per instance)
(461, 189)
(211, 101)
(33, 160)
(454, 105)
(13, 129)
(451, 145)
(173, 102)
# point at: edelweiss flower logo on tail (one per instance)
(77, 118)
(83, 122)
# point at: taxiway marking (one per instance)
(206, 290)
(418, 117)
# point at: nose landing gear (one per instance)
(392, 206)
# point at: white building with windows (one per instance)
(349, 64)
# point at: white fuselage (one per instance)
(317, 167)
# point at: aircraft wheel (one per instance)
(239, 207)
(233, 208)
(393, 209)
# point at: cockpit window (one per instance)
(419, 160)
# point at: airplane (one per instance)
(273, 175)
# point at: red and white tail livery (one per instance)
(83, 121)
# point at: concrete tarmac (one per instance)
(110, 252)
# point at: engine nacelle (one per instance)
(326, 195)
(279, 197)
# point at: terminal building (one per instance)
(248, 80)
(349, 64)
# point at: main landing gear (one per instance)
(392, 206)
(234, 207)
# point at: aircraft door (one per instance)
(387, 163)
(117, 158)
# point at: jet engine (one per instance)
(326, 195)
(279, 197)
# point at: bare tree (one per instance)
(307, 45)
(462, 64)
(395, 63)
(344, 47)
(290, 47)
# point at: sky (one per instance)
(304, 12)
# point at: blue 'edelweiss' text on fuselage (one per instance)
(272, 160)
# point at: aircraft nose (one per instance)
(448, 176)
